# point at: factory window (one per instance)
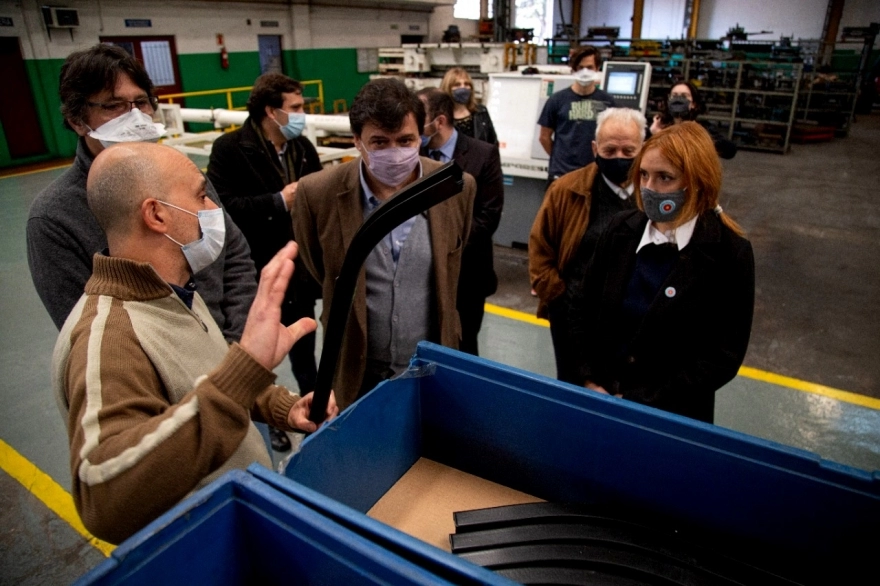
(536, 15)
(469, 9)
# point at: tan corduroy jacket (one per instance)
(326, 215)
(557, 232)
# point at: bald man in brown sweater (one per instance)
(156, 403)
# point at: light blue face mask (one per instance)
(426, 138)
(204, 251)
(296, 122)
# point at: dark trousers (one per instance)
(470, 310)
(566, 366)
(302, 355)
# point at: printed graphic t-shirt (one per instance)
(573, 120)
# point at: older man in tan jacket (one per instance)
(576, 208)
(410, 279)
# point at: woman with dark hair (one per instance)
(664, 312)
(685, 103)
(471, 118)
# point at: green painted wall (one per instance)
(60, 142)
(337, 68)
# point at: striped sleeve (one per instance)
(134, 454)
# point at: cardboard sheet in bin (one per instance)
(559, 443)
(240, 530)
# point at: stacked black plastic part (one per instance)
(546, 543)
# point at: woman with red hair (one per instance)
(664, 312)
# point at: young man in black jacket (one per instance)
(256, 169)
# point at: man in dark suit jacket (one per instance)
(443, 143)
(256, 170)
(408, 286)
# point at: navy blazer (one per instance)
(694, 337)
(483, 162)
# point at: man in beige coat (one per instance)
(409, 282)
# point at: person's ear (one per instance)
(270, 112)
(154, 215)
(78, 126)
(595, 148)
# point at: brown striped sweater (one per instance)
(155, 401)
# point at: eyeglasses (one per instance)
(118, 107)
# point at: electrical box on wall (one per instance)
(59, 17)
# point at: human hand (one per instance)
(265, 338)
(594, 387)
(657, 125)
(289, 194)
(299, 413)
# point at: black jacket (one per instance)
(690, 343)
(248, 176)
(483, 162)
(481, 126)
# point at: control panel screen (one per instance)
(623, 82)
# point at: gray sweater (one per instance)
(63, 236)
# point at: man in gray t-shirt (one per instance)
(568, 120)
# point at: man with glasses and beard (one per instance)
(107, 98)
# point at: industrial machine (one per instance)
(515, 102)
(628, 83)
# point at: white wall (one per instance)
(364, 27)
(800, 19)
(196, 24)
(443, 17)
(860, 13)
(604, 13)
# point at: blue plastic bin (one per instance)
(239, 530)
(564, 444)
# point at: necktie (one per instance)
(437, 155)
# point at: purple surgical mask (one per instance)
(393, 165)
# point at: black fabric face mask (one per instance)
(616, 170)
(679, 107)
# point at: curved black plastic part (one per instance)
(646, 567)
(414, 199)
(566, 576)
(617, 532)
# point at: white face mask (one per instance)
(204, 251)
(135, 126)
(587, 76)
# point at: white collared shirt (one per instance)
(623, 193)
(680, 236)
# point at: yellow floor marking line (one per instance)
(744, 371)
(517, 315)
(808, 387)
(47, 490)
(23, 173)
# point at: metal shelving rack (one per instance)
(758, 107)
(753, 103)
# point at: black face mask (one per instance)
(679, 107)
(616, 170)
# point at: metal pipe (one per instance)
(576, 17)
(829, 30)
(695, 18)
(638, 11)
